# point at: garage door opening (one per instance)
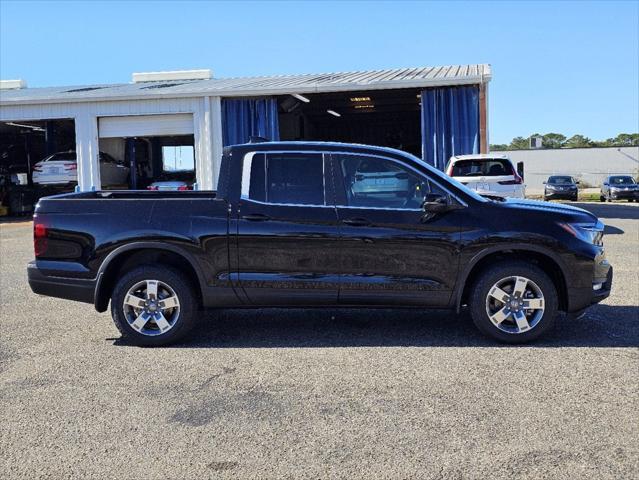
(154, 152)
(388, 118)
(29, 166)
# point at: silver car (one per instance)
(619, 187)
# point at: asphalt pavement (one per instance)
(319, 393)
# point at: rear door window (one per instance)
(482, 168)
(286, 178)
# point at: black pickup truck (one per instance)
(318, 224)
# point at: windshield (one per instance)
(490, 167)
(622, 180)
(560, 180)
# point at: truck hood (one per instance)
(559, 210)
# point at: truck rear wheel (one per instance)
(514, 302)
(153, 306)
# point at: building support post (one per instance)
(483, 119)
(216, 141)
(86, 148)
(203, 149)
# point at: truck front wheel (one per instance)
(514, 302)
(153, 305)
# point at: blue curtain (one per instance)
(246, 117)
(450, 123)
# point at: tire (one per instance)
(539, 286)
(575, 198)
(602, 198)
(142, 325)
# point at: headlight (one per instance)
(588, 232)
(550, 187)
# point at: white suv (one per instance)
(488, 174)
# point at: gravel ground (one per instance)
(322, 393)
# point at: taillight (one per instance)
(152, 187)
(517, 181)
(449, 172)
(71, 166)
(37, 168)
(40, 243)
(184, 187)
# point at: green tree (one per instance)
(553, 140)
(626, 140)
(499, 147)
(519, 143)
(578, 141)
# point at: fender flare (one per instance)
(98, 301)
(521, 247)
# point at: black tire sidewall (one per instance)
(183, 289)
(491, 276)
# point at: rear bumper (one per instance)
(78, 289)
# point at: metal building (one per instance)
(431, 111)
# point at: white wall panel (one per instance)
(146, 125)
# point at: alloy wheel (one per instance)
(151, 307)
(515, 304)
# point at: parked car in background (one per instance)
(488, 174)
(287, 227)
(173, 181)
(619, 187)
(62, 168)
(561, 186)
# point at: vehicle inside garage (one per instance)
(24, 148)
(388, 118)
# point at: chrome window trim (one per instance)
(324, 154)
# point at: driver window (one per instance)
(377, 183)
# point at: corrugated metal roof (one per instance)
(252, 86)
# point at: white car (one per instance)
(170, 185)
(62, 168)
(487, 174)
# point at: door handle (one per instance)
(256, 217)
(356, 222)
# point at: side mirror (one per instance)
(605, 184)
(520, 169)
(435, 203)
(578, 182)
(544, 182)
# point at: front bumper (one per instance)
(78, 289)
(563, 194)
(624, 194)
(581, 298)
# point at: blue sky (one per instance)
(563, 67)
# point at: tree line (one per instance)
(557, 140)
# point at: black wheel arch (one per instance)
(133, 254)
(547, 260)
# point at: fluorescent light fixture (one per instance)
(301, 97)
(334, 113)
(364, 106)
(21, 125)
(360, 99)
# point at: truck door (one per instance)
(287, 235)
(391, 251)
